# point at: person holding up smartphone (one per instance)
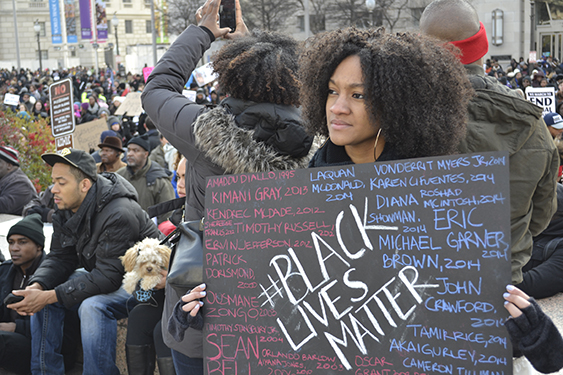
(227, 15)
(257, 128)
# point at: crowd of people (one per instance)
(272, 104)
(95, 96)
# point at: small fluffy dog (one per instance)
(143, 262)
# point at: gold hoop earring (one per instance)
(375, 145)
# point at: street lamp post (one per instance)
(115, 23)
(37, 28)
(370, 4)
(95, 45)
(153, 25)
(16, 31)
(533, 26)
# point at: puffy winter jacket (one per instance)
(108, 222)
(236, 137)
(8, 273)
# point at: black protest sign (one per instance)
(385, 268)
(62, 108)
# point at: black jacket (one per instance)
(7, 275)
(330, 154)
(16, 190)
(543, 274)
(108, 222)
(236, 137)
(154, 139)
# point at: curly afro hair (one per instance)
(261, 67)
(416, 88)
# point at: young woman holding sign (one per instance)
(383, 97)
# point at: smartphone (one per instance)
(11, 298)
(227, 15)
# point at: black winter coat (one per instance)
(543, 274)
(7, 275)
(236, 137)
(108, 222)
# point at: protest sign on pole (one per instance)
(543, 97)
(62, 109)
(386, 268)
(64, 141)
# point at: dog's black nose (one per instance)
(149, 269)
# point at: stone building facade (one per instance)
(508, 24)
(513, 18)
(134, 33)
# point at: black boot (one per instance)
(166, 366)
(140, 359)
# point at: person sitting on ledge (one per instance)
(16, 189)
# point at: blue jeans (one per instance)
(98, 325)
(185, 365)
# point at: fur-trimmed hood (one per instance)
(273, 139)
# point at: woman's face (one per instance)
(38, 106)
(348, 121)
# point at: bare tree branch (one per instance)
(270, 15)
(391, 11)
(354, 13)
(349, 13)
(181, 14)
